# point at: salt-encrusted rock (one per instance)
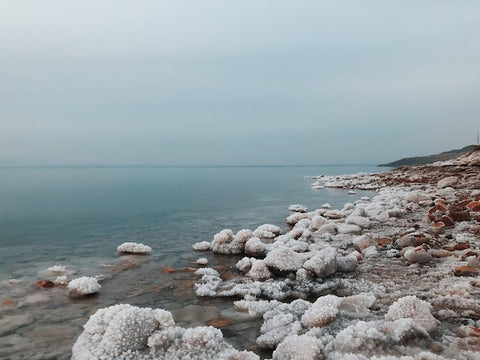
(418, 255)
(417, 198)
(414, 308)
(128, 332)
(202, 246)
(57, 269)
(270, 228)
(225, 242)
(326, 206)
(302, 347)
(134, 248)
(334, 214)
(259, 271)
(244, 264)
(303, 224)
(322, 312)
(84, 286)
(317, 222)
(256, 247)
(323, 264)
(363, 242)
(283, 259)
(405, 241)
(327, 229)
(450, 181)
(202, 261)
(363, 222)
(347, 263)
(61, 280)
(297, 208)
(349, 229)
(404, 329)
(295, 217)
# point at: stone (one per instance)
(447, 221)
(459, 215)
(461, 246)
(474, 206)
(7, 302)
(449, 181)
(418, 255)
(465, 271)
(219, 323)
(383, 242)
(169, 270)
(46, 284)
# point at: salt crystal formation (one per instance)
(84, 286)
(417, 237)
(124, 332)
(134, 248)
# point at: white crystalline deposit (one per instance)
(134, 248)
(361, 221)
(301, 347)
(325, 309)
(57, 269)
(225, 242)
(297, 208)
(256, 247)
(270, 228)
(84, 286)
(295, 217)
(414, 308)
(61, 280)
(283, 259)
(259, 271)
(323, 263)
(202, 261)
(127, 332)
(202, 246)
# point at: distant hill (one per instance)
(421, 160)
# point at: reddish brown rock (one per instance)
(464, 203)
(441, 202)
(383, 242)
(228, 276)
(459, 215)
(447, 221)
(436, 208)
(465, 271)
(439, 253)
(169, 270)
(219, 323)
(189, 269)
(220, 267)
(7, 302)
(461, 246)
(46, 284)
(474, 206)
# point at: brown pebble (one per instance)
(383, 241)
(447, 221)
(169, 270)
(228, 276)
(219, 323)
(189, 269)
(47, 284)
(461, 246)
(465, 271)
(474, 206)
(436, 347)
(7, 302)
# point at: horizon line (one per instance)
(174, 166)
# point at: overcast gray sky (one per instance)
(236, 82)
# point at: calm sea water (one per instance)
(78, 216)
(62, 214)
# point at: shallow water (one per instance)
(77, 216)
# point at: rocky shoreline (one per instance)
(391, 277)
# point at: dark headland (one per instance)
(422, 160)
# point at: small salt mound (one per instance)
(283, 259)
(202, 261)
(202, 246)
(297, 208)
(270, 228)
(61, 280)
(301, 347)
(324, 263)
(84, 286)
(225, 242)
(414, 308)
(57, 269)
(134, 248)
(418, 255)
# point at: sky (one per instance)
(218, 82)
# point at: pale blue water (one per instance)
(61, 214)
